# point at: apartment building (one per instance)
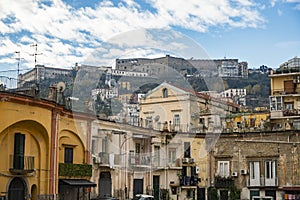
(238, 95)
(284, 100)
(260, 165)
(183, 110)
(293, 63)
(130, 160)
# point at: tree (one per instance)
(234, 193)
(213, 193)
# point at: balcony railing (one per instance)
(263, 182)
(223, 182)
(20, 164)
(139, 159)
(188, 181)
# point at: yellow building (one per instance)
(189, 117)
(44, 148)
(249, 122)
(285, 100)
(183, 110)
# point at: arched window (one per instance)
(165, 93)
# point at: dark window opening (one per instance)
(68, 155)
(19, 147)
(187, 150)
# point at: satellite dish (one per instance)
(61, 86)
(157, 118)
(112, 83)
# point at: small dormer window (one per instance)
(165, 93)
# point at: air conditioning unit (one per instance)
(243, 171)
(234, 174)
(197, 170)
(185, 160)
(191, 160)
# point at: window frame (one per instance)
(222, 171)
(69, 154)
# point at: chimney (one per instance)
(52, 93)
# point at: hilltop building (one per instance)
(39, 73)
(293, 63)
(227, 68)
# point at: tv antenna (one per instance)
(35, 54)
(18, 58)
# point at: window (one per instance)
(223, 168)
(68, 155)
(276, 103)
(172, 155)
(270, 169)
(289, 106)
(19, 147)
(105, 144)
(148, 122)
(176, 120)
(187, 150)
(165, 93)
(137, 148)
(157, 155)
(254, 171)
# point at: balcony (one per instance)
(20, 164)
(139, 160)
(109, 159)
(263, 182)
(223, 182)
(288, 113)
(169, 127)
(74, 170)
(103, 158)
(188, 181)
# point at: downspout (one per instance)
(88, 143)
(53, 153)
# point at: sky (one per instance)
(64, 32)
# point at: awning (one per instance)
(291, 188)
(77, 182)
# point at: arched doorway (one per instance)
(105, 184)
(34, 192)
(17, 189)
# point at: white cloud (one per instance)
(296, 2)
(66, 35)
(273, 3)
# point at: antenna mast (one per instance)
(35, 54)
(18, 58)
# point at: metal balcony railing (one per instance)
(20, 164)
(263, 182)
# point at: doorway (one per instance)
(17, 189)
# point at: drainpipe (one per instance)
(53, 154)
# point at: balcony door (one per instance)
(17, 189)
(19, 148)
(254, 173)
(270, 173)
